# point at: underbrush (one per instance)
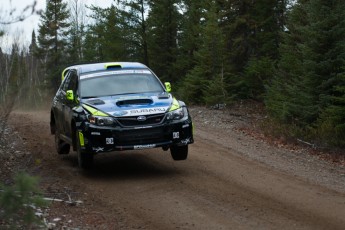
(19, 203)
(20, 196)
(288, 133)
(316, 141)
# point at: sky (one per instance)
(22, 31)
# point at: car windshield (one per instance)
(116, 84)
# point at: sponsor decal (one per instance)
(176, 135)
(120, 113)
(186, 141)
(143, 127)
(139, 112)
(141, 118)
(98, 149)
(95, 133)
(109, 141)
(147, 111)
(107, 73)
(185, 126)
(144, 146)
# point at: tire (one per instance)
(61, 146)
(85, 159)
(179, 153)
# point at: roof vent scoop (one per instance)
(113, 66)
(95, 102)
(143, 101)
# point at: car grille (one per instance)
(133, 121)
(142, 136)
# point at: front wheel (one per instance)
(85, 159)
(61, 146)
(179, 153)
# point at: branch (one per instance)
(23, 14)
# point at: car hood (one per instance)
(131, 105)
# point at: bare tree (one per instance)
(78, 20)
(10, 81)
(13, 15)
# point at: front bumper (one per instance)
(103, 139)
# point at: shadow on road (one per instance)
(126, 166)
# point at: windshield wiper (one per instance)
(88, 97)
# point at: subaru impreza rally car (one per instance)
(117, 106)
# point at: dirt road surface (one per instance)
(229, 181)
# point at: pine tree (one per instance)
(252, 30)
(289, 95)
(207, 81)
(308, 88)
(35, 74)
(190, 35)
(52, 37)
(331, 125)
(331, 70)
(33, 45)
(163, 21)
(136, 29)
(105, 39)
(14, 80)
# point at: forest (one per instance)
(286, 54)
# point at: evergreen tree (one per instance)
(163, 21)
(33, 48)
(207, 81)
(14, 75)
(105, 39)
(289, 95)
(52, 39)
(308, 88)
(331, 125)
(136, 29)
(252, 30)
(34, 84)
(92, 46)
(190, 35)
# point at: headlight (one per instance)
(101, 121)
(177, 114)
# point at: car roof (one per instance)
(85, 68)
(104, 66)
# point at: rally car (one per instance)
(107, 107)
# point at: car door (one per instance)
(58, 105)
(69, 105)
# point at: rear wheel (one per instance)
(85, 159)
(179, 153)
(61, 146)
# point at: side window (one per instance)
(73, 81)
(66, 82)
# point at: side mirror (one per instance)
(167, 86)
(70, 95)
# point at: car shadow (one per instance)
(127, 165)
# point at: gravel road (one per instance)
(230, 180)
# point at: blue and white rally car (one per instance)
(117, 106)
